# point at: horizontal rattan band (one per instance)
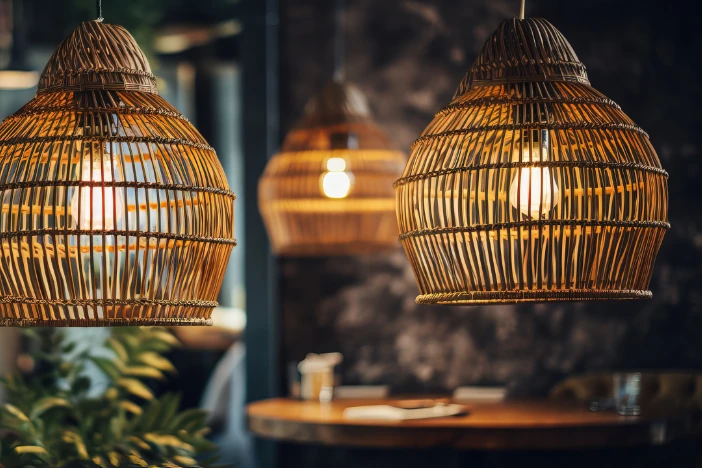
(525, 164)
(117, 86)
(119, 78)
(531, 79)
(490, 101)
(92, 71)
(532, 126)
(9, 299)
(506, 297)
(110, 184)
(116, 322)
(98, 110)
(115, 233)
(107, 138)
(542, 223)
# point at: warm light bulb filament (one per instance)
(97, 207)
(534, 190)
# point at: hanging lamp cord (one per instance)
(98, 4)
(339, 53)
(522, 9)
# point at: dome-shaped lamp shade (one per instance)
(115, 210)
(531, 185)
(329, 191)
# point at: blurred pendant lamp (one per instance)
(115, 211)
(531, 185)
(17, 74)
(329, 191)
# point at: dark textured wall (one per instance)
(408, 57)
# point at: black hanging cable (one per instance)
(98, 4)
(339, 53)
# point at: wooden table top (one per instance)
(533, 424)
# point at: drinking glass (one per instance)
(627, 387)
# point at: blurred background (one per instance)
(408, 57)
(242, 70)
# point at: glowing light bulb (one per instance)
(533, 190)
(97, 208)
(336, 183)
(336, 165)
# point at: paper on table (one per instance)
(393, 413)
(484, 394)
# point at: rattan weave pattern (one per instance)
(299, 218)
(531, 185)
(114, 209)
(98, 56)
(521, 51)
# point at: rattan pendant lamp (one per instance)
(531, 185)
(329, 190)
(115, 210)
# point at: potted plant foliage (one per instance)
(53, 418)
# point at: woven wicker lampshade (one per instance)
(531, 185)
(329, 190)
(115, 211)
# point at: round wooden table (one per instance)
(508, 425)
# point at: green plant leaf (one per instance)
(156, 360)
(117, 425)
(149, 419)
(201, 444)
(168, 441)
(135, 458)
(69, 347)
(135, 387)
(131, 407)
(166, 337)
(115, 458)
(98, 460)
(99, 431)
(72, 437)
(169, 408)
(107, 366)
(46, 404)
(16, 412)
(139, 442)
(190, 420)
(143, 371)
(184, 461)
(30, 449)
(129, 340)
(118, 348)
